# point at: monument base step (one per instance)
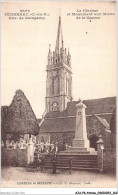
(79, 150)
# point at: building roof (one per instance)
(94, 106)
(58, 125)
(102, 110)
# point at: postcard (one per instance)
(58, 94)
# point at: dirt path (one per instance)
(27, 177)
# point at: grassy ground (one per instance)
(29, 177)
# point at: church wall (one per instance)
(105, 136)
(94, 127)
(57, 137)
(63, 138)
(113, 140)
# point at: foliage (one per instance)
(4, 111)
(20, 117)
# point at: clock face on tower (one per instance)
(54, 106)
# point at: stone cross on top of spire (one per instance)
(60, 54)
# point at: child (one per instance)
(38, 162)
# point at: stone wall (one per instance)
(13, 157)
(110, 160)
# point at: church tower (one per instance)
(59, 75)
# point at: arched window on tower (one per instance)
(53, 86)
(58, 85)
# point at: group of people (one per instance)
(47, 147)
(11, 144)
(43, 147)
(21, 144)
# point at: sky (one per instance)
(25, 45)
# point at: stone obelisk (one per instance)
(80, 139)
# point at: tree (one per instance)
(4, 111)
(21, 118)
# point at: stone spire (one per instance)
(59, 41)
(59, 75)
(60, 54)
